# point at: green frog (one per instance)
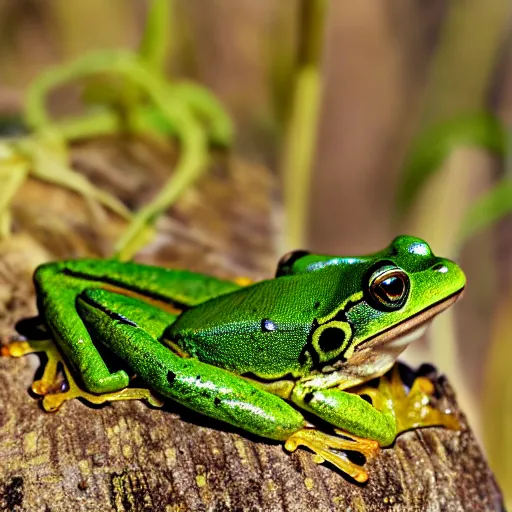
(268, 357)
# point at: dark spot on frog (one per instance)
(171, 376)
(316, 305)
(331, 339)
(83, 485)
(217, 400)
(308, 397)
(198, 378)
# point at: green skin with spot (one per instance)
(318, 328)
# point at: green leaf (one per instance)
(487, 209)
(428, 153)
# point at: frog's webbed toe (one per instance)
(413, 409)
(56, 390)
(52, 401)
(50, 381)
(327, 448)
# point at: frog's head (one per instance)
(399, 291)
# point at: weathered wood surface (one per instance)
(129, 457)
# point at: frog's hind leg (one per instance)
(148, 317)
(178, 287)
(56, 301)
(59, 284)
(50, 385)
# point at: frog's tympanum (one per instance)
(259, 356)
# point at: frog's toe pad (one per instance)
(327, 447)
(51, 403)
(45, 386)
(21, 348)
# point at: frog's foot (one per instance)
(50, 381)
(52, 401)
(323, 445)
(57, 390)
(412, 409)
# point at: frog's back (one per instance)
(262, 329)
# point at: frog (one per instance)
(306, 358)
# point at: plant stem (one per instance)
(301, 127)
(192, 138)
(154, 47)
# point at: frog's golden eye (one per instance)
(389, 287)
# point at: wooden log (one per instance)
(127, 456)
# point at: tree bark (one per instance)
(126, 456)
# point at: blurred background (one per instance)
(378, 118)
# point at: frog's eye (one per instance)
(389, 287)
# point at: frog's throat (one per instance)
(397, 334)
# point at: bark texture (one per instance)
(127, 456)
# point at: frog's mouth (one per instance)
(388, 344)
(402, 334)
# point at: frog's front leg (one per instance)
(392, 410)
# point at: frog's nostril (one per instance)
(440, 267)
